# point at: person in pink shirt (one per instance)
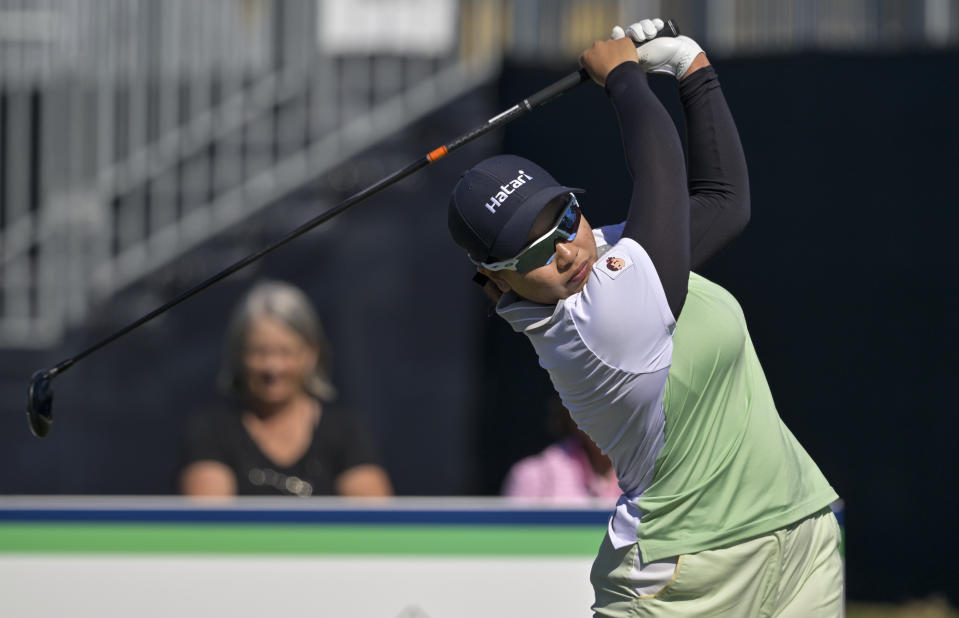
(572, 469)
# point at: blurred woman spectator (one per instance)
(281, 435)
(571, 469)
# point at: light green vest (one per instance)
(730, 469)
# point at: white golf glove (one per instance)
(670, 55)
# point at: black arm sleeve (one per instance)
(658, 216)
(718, 182)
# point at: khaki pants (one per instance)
(793, 572)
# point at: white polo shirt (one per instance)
(731, 469)
(608, 349)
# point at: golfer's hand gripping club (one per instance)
(40, 392)
(671, 56)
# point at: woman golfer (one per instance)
(723, 513)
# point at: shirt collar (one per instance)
(524, 315)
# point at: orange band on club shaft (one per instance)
(439, 153)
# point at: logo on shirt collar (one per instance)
(505, 190)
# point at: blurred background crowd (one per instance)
(145, 145)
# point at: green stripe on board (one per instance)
(301, 539)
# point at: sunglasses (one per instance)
(542, 251)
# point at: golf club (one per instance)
(40, 393)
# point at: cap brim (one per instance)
(515, 233)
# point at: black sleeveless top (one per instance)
(339, 443)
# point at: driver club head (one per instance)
(40, 403)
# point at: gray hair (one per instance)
(288, 305)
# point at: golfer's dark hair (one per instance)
(288, 305)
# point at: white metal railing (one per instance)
(133, 130)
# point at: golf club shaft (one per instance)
(525, 106)
(246, 261)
